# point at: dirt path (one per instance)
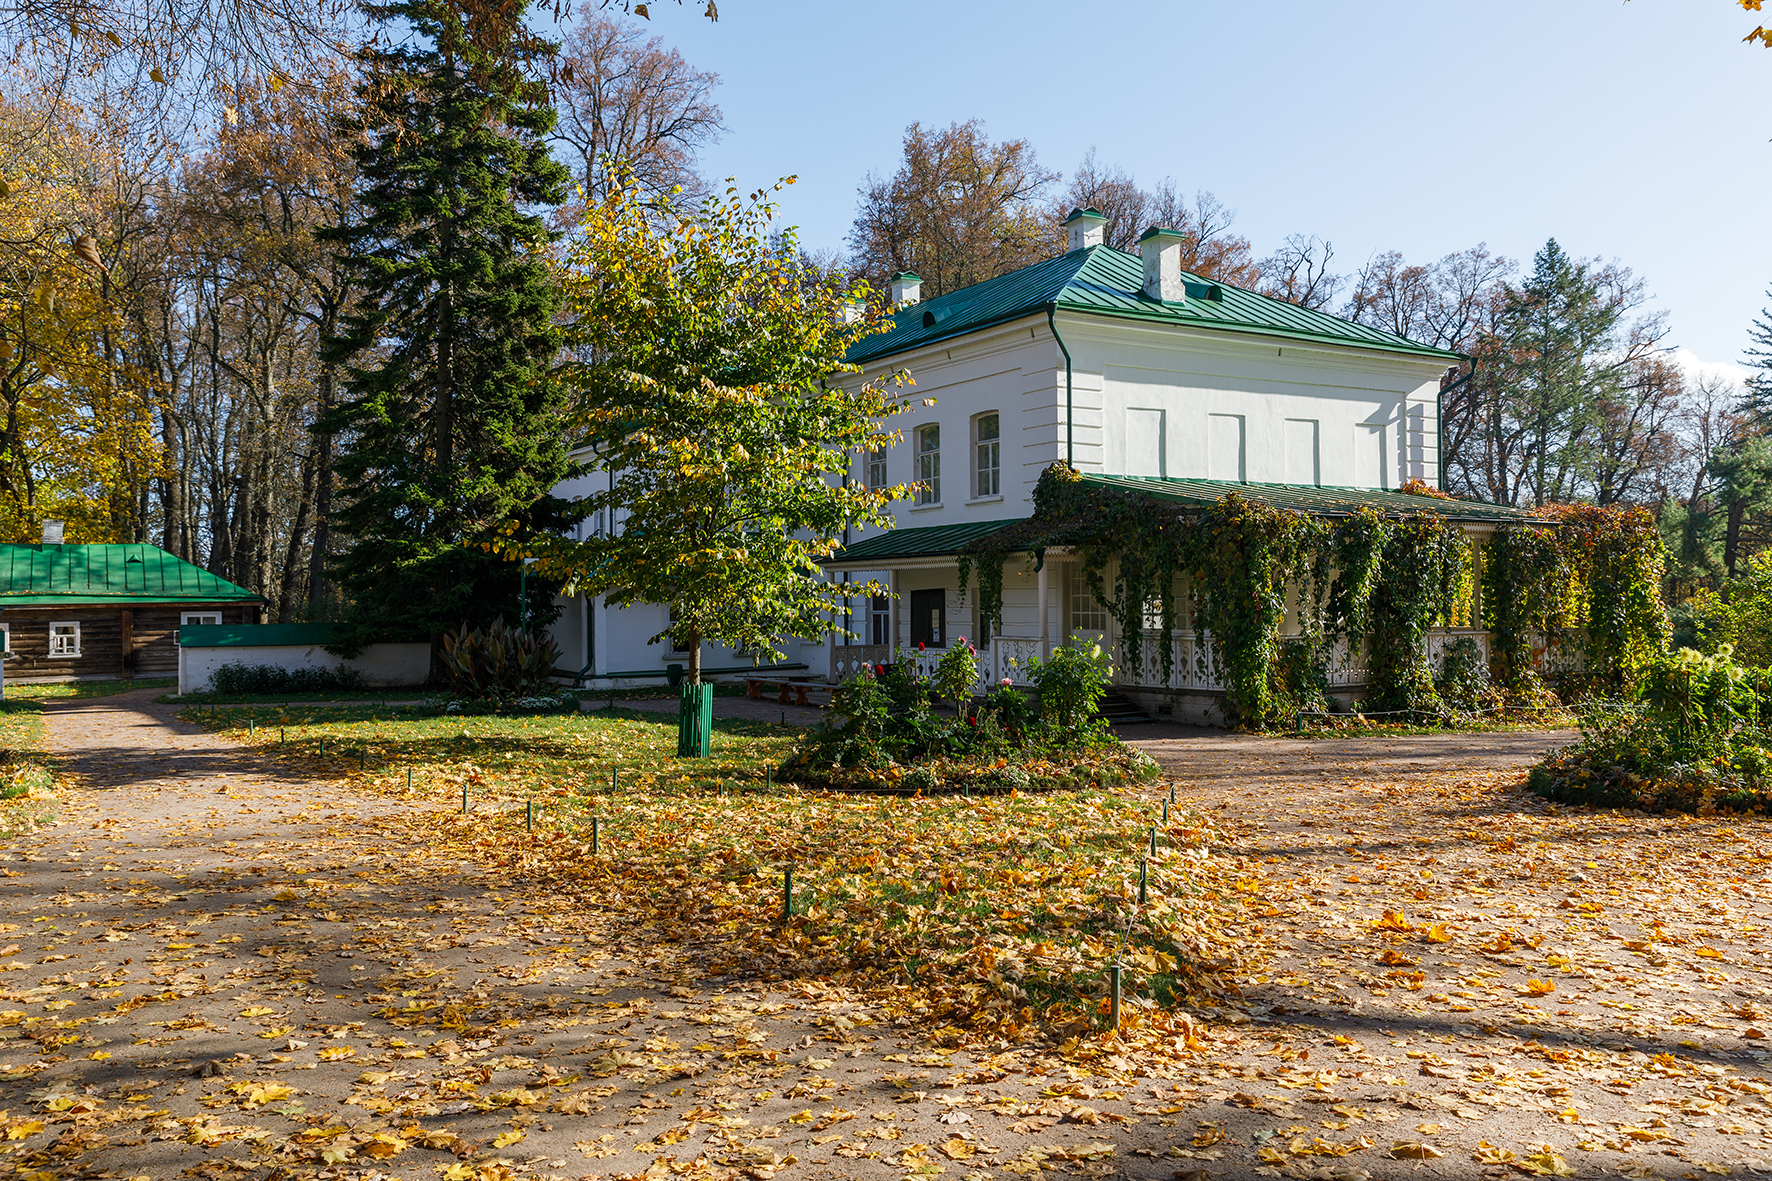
(224, 972)
(1459, 964)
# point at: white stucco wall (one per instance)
(382, 665)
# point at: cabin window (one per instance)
(990, 455)
(64, 639)
(876, 460)
(5, 639)
(929, 464)
(210, 618)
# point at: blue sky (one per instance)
(1633, 129)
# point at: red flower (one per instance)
(880, 670)
(919, 645)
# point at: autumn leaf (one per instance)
(1535, 987)
(1415, 1151)
(334, 1053)
(1545, 1163)
(1392, 920)
(506, 1139)
(1437, 933)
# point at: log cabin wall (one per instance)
(139, 640)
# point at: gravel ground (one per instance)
(212, 968)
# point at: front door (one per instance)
(929, 617)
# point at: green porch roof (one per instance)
(928, 542)
(1307, 498)
(54, 575)
(1103, 281)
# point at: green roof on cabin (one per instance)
(1100, 280)
(52, 575)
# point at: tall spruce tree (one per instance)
(450, 413)
(1757, 405)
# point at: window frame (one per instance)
(873, 469)
(5, 641)
(1096, 609)
(928, 461)
(186, 617)
(979, 443)
(75, 654)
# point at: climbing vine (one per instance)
(1371, 582)
(1571, 567)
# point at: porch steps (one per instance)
(1121, 710)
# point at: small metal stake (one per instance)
(280, 735)
(1143, 872)
(596, 833)
(1165, 811)
(1153, 851)
(409, 779)
(614, 778)
(363, 758)
(530, 821)
(464, 799)
(251, 726)
(322, 746)
(1172, 791)
(769, 779)
(1114, 995)
(787, 893)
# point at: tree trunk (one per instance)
(695, 658)
(1732, 538)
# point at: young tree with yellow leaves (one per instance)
(718, 403)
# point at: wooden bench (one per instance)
(793, 689)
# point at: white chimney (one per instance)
(1087, 226)
(906, 288)
(52, 532)
(1161, 250)
(850, 313)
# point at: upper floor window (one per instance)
(876, 468)
(989, 455)
(929, 464)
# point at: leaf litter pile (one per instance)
(257, 974)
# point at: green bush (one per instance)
(1071, 683)
(1695, 741)
(498, 663)
(238, 677)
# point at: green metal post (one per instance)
(464, 799)
(1143, 871)
(695, 720)
(1153, 851)
(596, 833)
(530, 820)
(409, 779)
(787, 893)
(1114, 995)
(363, 758)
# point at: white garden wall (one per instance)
(382, 665)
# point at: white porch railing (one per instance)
(1191, 666)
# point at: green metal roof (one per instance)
(256, 635)
(1103, 281)
(929, 541)
(1307, 498)
(52, 575)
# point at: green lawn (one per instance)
(27, 777)
(946, 897)
(41, 690)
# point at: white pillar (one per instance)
(891, 613)
(1045, 619)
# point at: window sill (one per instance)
(64, 656)
(923, 508)
(997, 499)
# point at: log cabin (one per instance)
(104, 612)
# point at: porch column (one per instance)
(830, 644)
(891, 613)
(1045, 622)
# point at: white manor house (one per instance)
(1134, 372)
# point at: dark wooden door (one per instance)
(929, 617)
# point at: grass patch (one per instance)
(416, 694)
(47, 690)
(27, 776)
(994, 915)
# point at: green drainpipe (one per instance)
(1070, 439)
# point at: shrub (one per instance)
(955, 674)
(1071, 684)
(238, 677)
(498, 663)
(1695, 742)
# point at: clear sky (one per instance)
(1633, 129)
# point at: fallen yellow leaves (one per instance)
(334, 1053)
(1415, 1150)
